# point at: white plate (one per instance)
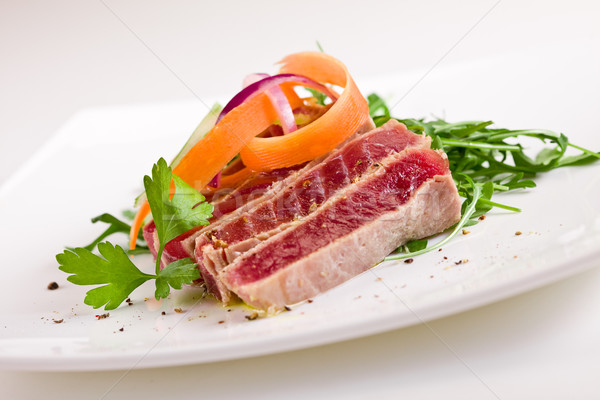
(96, 162)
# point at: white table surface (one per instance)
(60, 57)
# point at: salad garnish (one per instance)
(484, 163)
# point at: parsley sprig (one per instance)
(176, 215)
(112, 268)
(484, 161)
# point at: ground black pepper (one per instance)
(252, 316)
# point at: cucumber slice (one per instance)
(201, 130)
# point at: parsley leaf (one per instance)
(175, 216)
(176, 274)
(114, 269)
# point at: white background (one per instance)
(62, 56)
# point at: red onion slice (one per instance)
(273, 81)
(216, 181)
(280, 103)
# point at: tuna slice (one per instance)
(258, 188)
(410, 195)
(350, 164)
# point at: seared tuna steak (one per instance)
(333, 176)
(410, 195)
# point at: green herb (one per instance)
(483, 162)
(172, 217)
(176, 274)
(378, 108)
(319, 97)
(414, 245)
(468, 212)
(320, 47)
(129, 214)
(115, 226)
(113, 268)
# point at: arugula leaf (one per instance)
(469, 209)
(413, 245)
(114, 269)
(483, 162)
(176, 274)
(377, 106)
(475, 149)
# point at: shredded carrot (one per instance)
(137, 223)
(237, 130)
(292, 96)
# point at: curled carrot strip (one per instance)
(237, 130)
(292, 96)
(137, 223)
(348, 113)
